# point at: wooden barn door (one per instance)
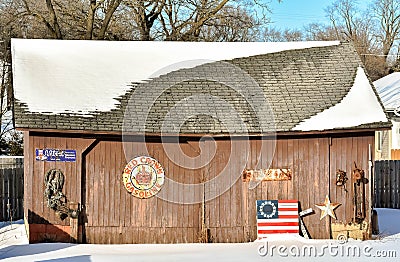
(310, 160)
(345, 151)
(103, 216)
(112, 215)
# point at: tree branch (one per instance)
(109, 13)
(93, 5)
(53, 18)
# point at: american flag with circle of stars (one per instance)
(277, 217)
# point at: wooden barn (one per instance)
(173, 142)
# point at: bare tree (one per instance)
(320, 32)
(50, 20)
(387, 12)
(287, 35)
(271, 34)
(106, 8)
(231, 24)
(145, 14)
(196, 20)
(343, 16)
(232, 20)
(349, 24)
(10, 140)
(292, 35)
(178, 26)
(65, 19)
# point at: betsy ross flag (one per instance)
(277, 217)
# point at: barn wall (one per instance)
(112, 215)
(43, 223)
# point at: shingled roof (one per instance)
(313, 88)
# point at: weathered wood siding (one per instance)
(344, 153)
(111, 215)
(44, 224)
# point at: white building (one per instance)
(387, 142)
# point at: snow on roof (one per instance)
(359, 106)
(78, 77)
(388, 88)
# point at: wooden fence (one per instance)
(395, 154)
(387, 184)
(11, 188)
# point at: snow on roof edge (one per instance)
(388, 89)
(359, 106)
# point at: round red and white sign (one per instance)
(143, 177)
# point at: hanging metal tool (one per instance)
(341, 179)
(359, 181)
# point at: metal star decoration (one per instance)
(327, 208)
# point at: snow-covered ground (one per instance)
(14, 247)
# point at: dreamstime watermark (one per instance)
(330, 249)
(186, 97)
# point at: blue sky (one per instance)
(295, 14)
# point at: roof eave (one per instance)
(74, 132)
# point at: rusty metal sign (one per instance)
(143, 177)
(267, 175)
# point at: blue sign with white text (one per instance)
(60, 155)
